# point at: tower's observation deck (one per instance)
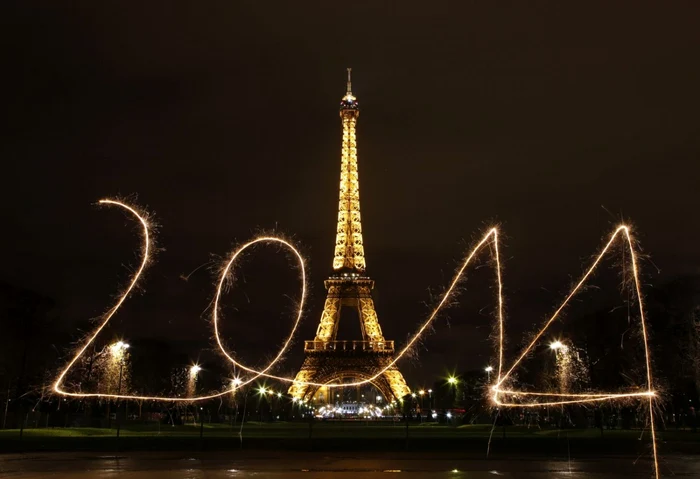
(330, 360)
(349, 346)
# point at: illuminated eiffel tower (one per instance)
(329, 360)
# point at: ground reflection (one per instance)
(270, 465)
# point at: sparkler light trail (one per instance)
(500, 393)
(568, 398)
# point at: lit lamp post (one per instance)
(561, 351)
(235, 383)
(191, 387)
(118, 353)
(421, 393)
(275, 412)
(453, 381)
(192, 383)
(488, 370)
(263, 392)
(563, 359)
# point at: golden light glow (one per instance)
(118, 349)
(556, 345)
(349, 250)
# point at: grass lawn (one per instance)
(336, 429)
(340, 436)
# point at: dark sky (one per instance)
(553, 120)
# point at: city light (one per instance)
(194, 370)
(557, 345)
(488, 369)
(452, 380)
(119, 345)
(118, 349)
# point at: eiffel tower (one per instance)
(327, 359)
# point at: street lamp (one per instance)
(488, 370)
(118, 346)
(117, 351)
(194, 370)
(557, 345)
(453, 383)
(563, 361)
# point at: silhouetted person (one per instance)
(692, 419)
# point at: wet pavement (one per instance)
(248, 465)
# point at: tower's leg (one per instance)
(397, 383)
(305, 374)
(325, 369)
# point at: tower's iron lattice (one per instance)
(329, 360)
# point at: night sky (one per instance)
(553, 121)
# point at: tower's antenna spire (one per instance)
(349, 81)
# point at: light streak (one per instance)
(145, 259)
(557, 345)
(490, 238)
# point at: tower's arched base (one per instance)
(328, 367)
